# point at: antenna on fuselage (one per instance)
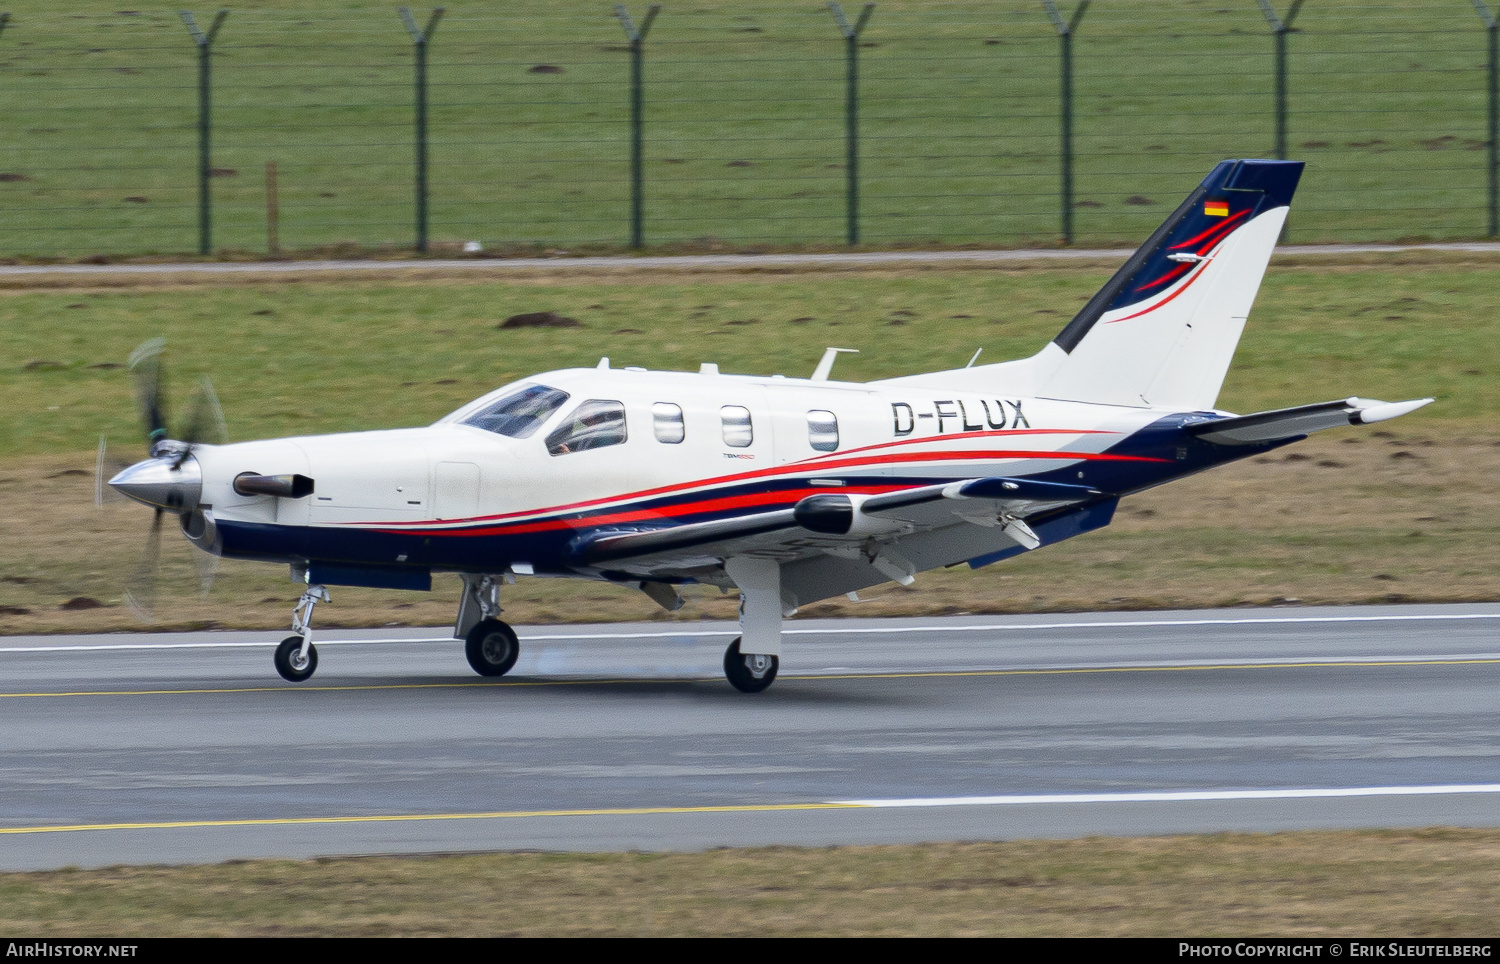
(825, 364)
(975, 358)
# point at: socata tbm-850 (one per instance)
(789, 490)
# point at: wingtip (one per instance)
(1383, 411)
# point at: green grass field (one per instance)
(1399, 884)
(307, 356)
(744, 125)
(1402, 513)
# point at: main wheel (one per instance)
(492, 648)
(749, 674)
(290, 664)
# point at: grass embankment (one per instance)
(1359, 884)
(744, 124)
(1401, 513)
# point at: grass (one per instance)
(1351, 516)
(744, 124)
(1433, 883)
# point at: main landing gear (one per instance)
(749, 673)
(492, 648)
(490, 645)
(751, 661)
(296, 659)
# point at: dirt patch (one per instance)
(540, 319)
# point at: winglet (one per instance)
(1372, 411)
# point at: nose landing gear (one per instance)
(296, 659)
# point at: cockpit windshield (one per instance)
(519, 413)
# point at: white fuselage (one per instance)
(868, 438)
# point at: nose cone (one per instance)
(155, 482)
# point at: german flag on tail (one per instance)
(1216, 209)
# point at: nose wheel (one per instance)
(294, 662)
(295, 658)
(492, 648)
(749, 673)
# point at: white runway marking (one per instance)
(1175, 796)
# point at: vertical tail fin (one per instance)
(1162, 331)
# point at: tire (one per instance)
(492, 648)
(741, 676)
(285, 660)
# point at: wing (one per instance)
(1285, 423)
(842, 542)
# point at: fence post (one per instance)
(1065, 31)
(1492, 28)
(851, 112)
(419, 38)
(1279, 29)
(205, 42)
(637, 37)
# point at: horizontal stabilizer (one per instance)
(1302, 420)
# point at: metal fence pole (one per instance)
(851, 112)
(419, 39)
(1492, 28)
(205, 42)
(1065, 31)
(1279, 29)
(637, 37)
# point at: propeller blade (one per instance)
(145, 365)
(208, 568)
(205, 422)
(140, 591)
(106, 467)
(99, 486)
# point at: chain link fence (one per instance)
(558, 126)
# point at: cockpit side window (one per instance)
(593, 425)
(520, 413)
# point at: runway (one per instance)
(188, 748)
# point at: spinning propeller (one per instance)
(169, 480)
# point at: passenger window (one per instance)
(593, 425)
(666, 419)
(738, 432)
(822, 431)
(521, 412)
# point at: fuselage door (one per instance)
(455, 490)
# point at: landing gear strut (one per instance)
(296, 659)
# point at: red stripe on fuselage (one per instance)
(715, 503)
(791, 468)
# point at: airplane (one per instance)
(786, 490)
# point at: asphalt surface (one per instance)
(189, 749)
(686, 262)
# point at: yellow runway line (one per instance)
(429, 817)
